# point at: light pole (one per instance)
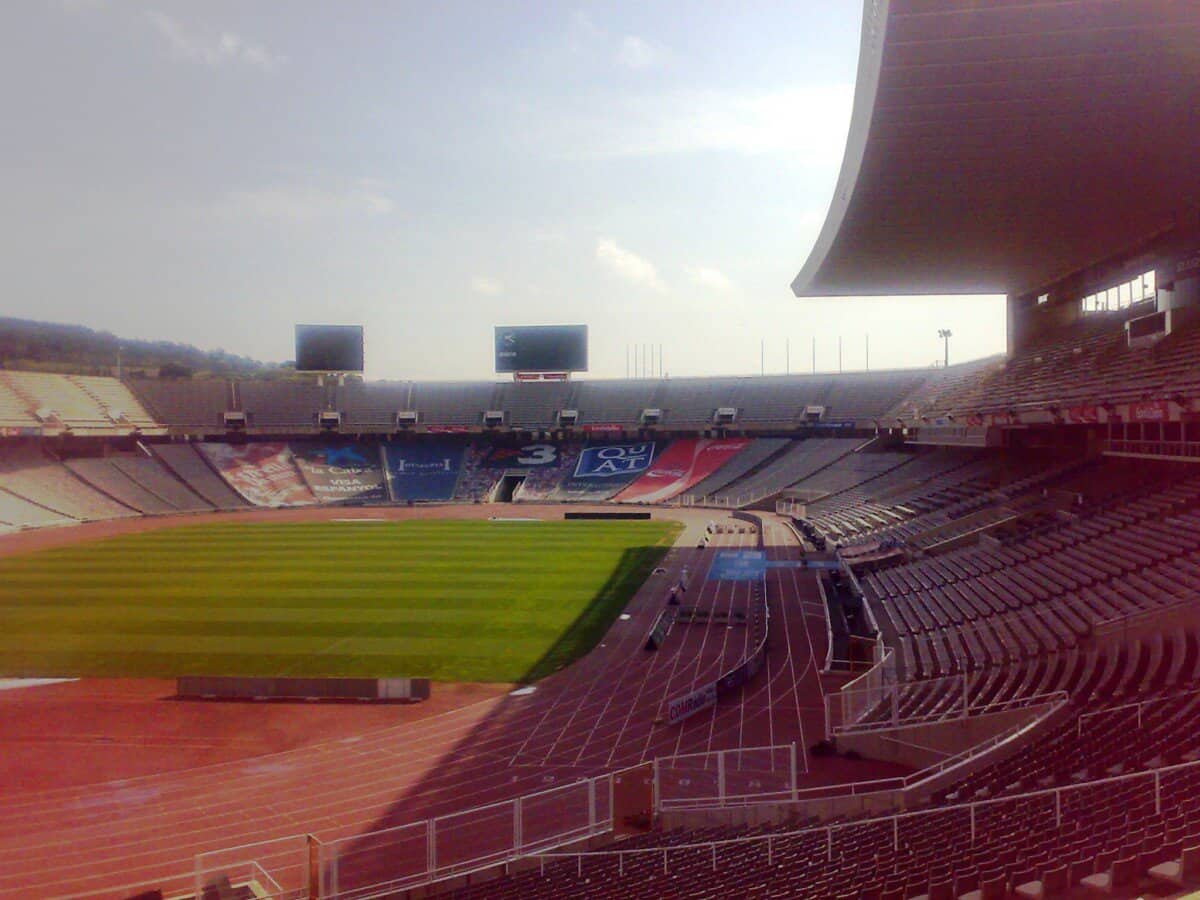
(945, 334)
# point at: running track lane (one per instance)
(109, 839)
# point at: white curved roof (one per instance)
(997, 146)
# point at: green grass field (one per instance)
(453, 601)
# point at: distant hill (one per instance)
(76, 350)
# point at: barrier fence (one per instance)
(417, 853)
(729, 777)
(1161, 789)
(869, 691)
(280, 869)
(407, 856)
(700, 698)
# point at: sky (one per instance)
(214, 172)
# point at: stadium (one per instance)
(890, 634)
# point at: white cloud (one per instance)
(628, 265)
(809, 123)
(228, 47)
(709, 277)
(636, 53)
(302, 204)
(489, 287)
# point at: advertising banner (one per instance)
(526, 456)
(1084, 414)
(1149, 411)
(424, 471)
(614, 460)
(690, 704)
(603, 469)
(341, 472)
(264, 474)
(683, 464)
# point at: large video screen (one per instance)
(541, 348)
(329, 348)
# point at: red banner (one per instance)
(1085, 414)
(602, 428)
(265, 474)
(1149, 411)
(448, 429)
(681, 465)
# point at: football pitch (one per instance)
(447, 600)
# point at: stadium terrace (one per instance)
(898, 634)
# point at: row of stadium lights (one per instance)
(644, 361)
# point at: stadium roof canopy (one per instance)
(998, 146)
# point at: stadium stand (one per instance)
(190, 467)
(424, 470)
(150, 475)
(185, 404)
(18, 512)
(757, 454)
(14, 409)
(535, 405)
(26, 472)
(453, 403)
(283, 407)
(800, 460)
(1086, 362)
(264, 474)
(542, 482)
(373, 405)
(683, 464)
(57, 400)
(111, 479)
(118, 402)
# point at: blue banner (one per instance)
(620, 461)
(738, 565)
(424, 471)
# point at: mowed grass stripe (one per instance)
(448, 600)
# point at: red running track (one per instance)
(595, 716)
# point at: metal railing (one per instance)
(1172, 449)
(1049, 802)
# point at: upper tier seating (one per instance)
(1085, 362)
(184, 404)
(773, 401)
(14, 409)
(56, 398)
(280, 405)
(117, 401)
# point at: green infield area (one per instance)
(448, 600)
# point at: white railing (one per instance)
(407, 856)
(726, 778)
(864, 693)
(1050, 800)
(1172, 449)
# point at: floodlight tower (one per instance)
(945, 334)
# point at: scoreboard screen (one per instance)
(329, 348)
(541, 348)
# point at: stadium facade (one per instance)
(1015, 594)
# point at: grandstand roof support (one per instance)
(1002, 147)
